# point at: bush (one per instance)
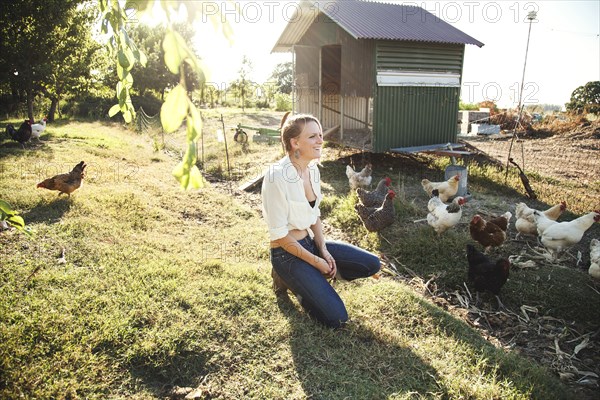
(263, 104)
(283, 102)
(96, 107)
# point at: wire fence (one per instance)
(563, 167)
(147, 124)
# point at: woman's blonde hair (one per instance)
(292, 127)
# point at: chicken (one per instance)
(562, 235)
(447, 189)
(488, 233)
(542, 222)
(525, 222)
(486, 274)
(22, 135)
(594, 270)
(375, 219)
(442, 217)
(65, 183)
(359, 179)
(375, 197)
(502, 221)
(37, 129)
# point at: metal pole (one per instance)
(531, 16)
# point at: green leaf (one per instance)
(189, 178)
(114, 110)
(16, 221)
(197, 180)
(123, 60)
(121, 93)
(6, 209)
(194, 123)
(174, 109)
(127, 116)
(128, 80)
(142, 58)
(120, 71)
(173, 56)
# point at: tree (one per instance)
(155, 75)
(585, 99)
(242, 87)
(69, 63)
(31, 32)
(282, 74)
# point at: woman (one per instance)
(291, 194)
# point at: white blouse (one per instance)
(285, 206)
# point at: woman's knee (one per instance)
(374, 265)
(337, 321)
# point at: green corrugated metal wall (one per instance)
(407, 116)
(414, 116)
(410, 56)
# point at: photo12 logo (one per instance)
(469, 11)
(264, 11)
(475, 92)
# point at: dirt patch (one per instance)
(573, 155)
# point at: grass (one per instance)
(161, 288)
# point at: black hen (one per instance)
(22, 135)
(485, 274)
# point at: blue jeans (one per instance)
(318, 298)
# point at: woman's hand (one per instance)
(325, 267)
(330, 261)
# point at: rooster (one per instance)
(65, 183)
(525, 223)
(447, 189)
(486, 274)
(359, 179)
(375, 197)
(562, 235)
(22, 135)
(490, 233)
(594, 270)
(37, 129)
(375, 219)
(442, 217)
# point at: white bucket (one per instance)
(462, 172)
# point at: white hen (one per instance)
(562, 235)
(37, 129)
(594, 270)
(360, 179)
(525, 222)
(442, 217)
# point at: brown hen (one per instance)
(489, 233)
(65, 183)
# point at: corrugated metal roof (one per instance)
(372, 20)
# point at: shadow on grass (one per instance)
(358, 362)
(33, 149)
(50, 213)
(353, 362)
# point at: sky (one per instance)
(563, 53)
